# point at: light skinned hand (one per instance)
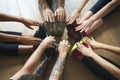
(84, 25)
(86, 51)
(60, 14)
(29, 22)
(94, 44)
(48, 15)
(48, 42)
(29, 40)
(73, 17)
(63, 48)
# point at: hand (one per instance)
(48, 42)
(86, 51)
(73, 17)
(29, 40)
(60, 14)
(63, 48)
(84, 25)
(28, 23)
(94, 44)
(48, 15)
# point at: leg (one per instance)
(98, 70)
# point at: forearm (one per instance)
(60, 3)
(34, 59)
(43, 4)
(58, 68)
(105, 10)
(81, 6)
(106, 65)
(110, 48)
(9, 37)
(5, 17)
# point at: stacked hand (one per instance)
(63, 48)
(48, 42)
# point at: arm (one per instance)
(58, 68)
(26, 22)
(27, 40)
(9, 38)
(75, 14)
(96, 45)
(48, 14)
(60, 11)
(87, 51)
(60, 3)
(43, 4)
(105, 10)
(34, 59)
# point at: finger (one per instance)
(83, 29)
(92, 38)
(72, 20)
(79, 27)
(50, 17)
(63, 17)
(68, 19)
(47, 17)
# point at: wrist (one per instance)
(62, 55)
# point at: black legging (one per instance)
(98, 70)
(11, 49)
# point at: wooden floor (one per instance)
(74, 70)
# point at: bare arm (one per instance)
(81, 6)
(87, 51)
(96, 45)
(60, 3)
(26, 22)
(5, 17)
(76, 13)
(110, 48)
(105, 10)
(34, 59)
(9, 37)
(58, 68)
(106, 65)
(43, 4)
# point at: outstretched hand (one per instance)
(94, 44)
(86, 51)
(84, 25)
(72, 17)
(29, 22)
